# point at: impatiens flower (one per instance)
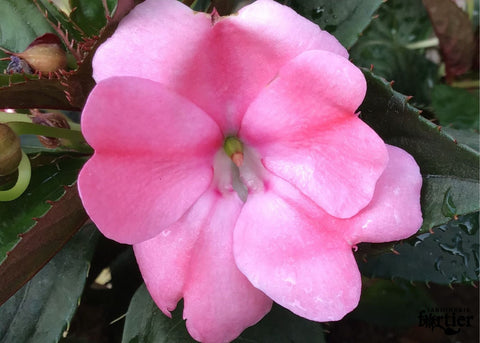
(229, 153)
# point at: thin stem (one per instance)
(470, 8)
(466, 84)
(6, 117)
(423, 44)
(24, 174)
(75, 139)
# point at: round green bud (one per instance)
(10, 151)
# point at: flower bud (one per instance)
(10, 151)
(45, 54)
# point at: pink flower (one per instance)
(313, 180)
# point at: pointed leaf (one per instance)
(469, 138)
(20, 23)
(444, 163)
(460, 196)
(449, 255)
(41, 311)
(26, 244)
(344, 19)
(145, 323)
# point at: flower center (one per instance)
(238, 168)
(234, 149)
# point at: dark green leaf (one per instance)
(384, 46)
(449, 209)
(47, 184)
(20, 23)
(36, 225)
(91, 16)
(282, 326)
(201, 5)
(455, 106)
(443, 162)
(391, 304)
(469, 138)
(344, 19)
(41, 311)
(449, 255)
(460, 196)
(400, 124)
(145, 323)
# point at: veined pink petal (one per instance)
(219, 300)
(394, 212)
(282, 247)
(239, 55)
(164, 260)
(156, 40)
(132, 115)
(304, 127)
(193, 258)
(152, 158)
(280, 24)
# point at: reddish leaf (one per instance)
(454, 30)
(42, 242)
(34, 93)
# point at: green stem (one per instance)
(427, 43)
(466, 84)
(75, 139)
(24, 174)
(6, 117)
(470, 8)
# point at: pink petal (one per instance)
(164, 260)
(394, 212)
(239, 55)
(193, 258)
(165, 34)
(303, 125)
(283, 26)
(282, 247)
(152, 158)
